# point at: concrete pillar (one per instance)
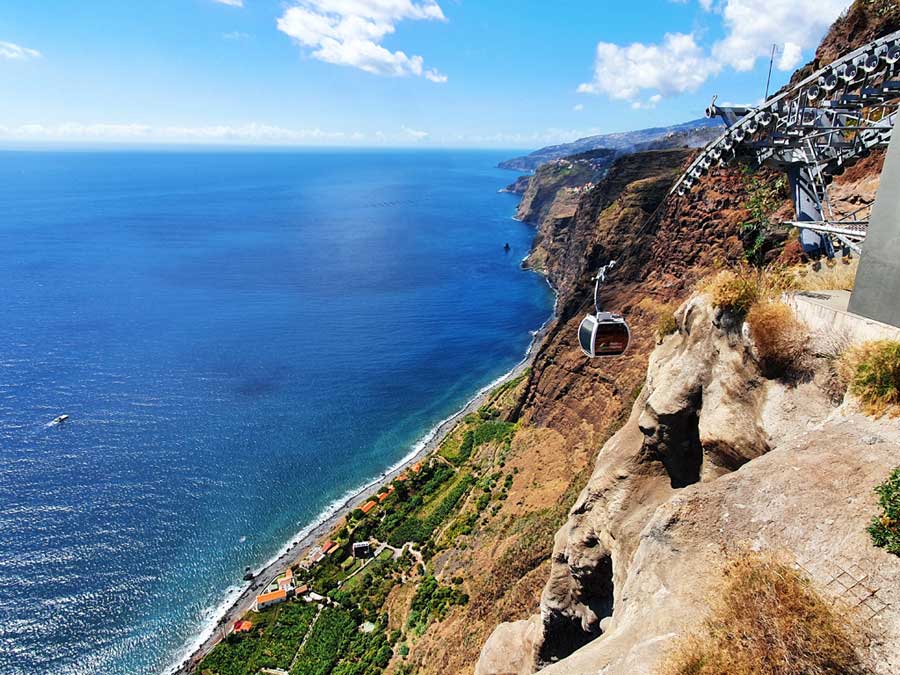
(877, 292)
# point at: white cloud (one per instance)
(14, 52)
(231, 3)
(236, 35)
(754, 25)
(679, 64)
(414, 134)
(649, 104)
(578, 107)
(350, 32)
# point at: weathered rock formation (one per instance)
(684, 484)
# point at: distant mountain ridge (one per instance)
(695, 133)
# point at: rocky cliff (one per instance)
(716, 456)
(557, 185)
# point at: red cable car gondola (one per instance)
(603, 334)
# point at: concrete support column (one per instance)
(877, 292)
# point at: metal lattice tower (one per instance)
(813, 131)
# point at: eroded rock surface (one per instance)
(714, 457)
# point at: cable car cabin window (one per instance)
(610, 339)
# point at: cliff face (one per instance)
(715, 457)
(557, 185)
(659, 259)
(666, 506)
(565, 409)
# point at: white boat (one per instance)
(60, 419)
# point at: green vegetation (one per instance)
(334, 629)
(272, 643)
(765, 195)
(366, 653)
(465, 449)
(491, 431)
(885, 529)
(872, 371)
(432, 602)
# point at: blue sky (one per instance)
(470, 73)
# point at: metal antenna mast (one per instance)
(769, 78)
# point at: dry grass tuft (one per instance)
(732, 291)
(872, 373)
(737, 290)
(838, 277)
(666, 324)
(768, 620)
(780, 338)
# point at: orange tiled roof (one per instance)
(368, 506)
(402, 476)
(288, 573)
(383, 496)
(269, 597)
(242, 626)
(303, 590)
(417, 468)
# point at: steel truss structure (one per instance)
(814, 131)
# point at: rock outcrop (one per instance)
(685, 483)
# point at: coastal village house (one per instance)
(279, 591)
(267, 600)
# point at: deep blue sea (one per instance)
(239, 338)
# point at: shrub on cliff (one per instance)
(767, 620)
(764, 195)
(737, 290)
(780, 338)
(666, 324)
(885, 529)
(872, 372)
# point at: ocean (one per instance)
(239, 339)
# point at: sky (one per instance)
(433, 73)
